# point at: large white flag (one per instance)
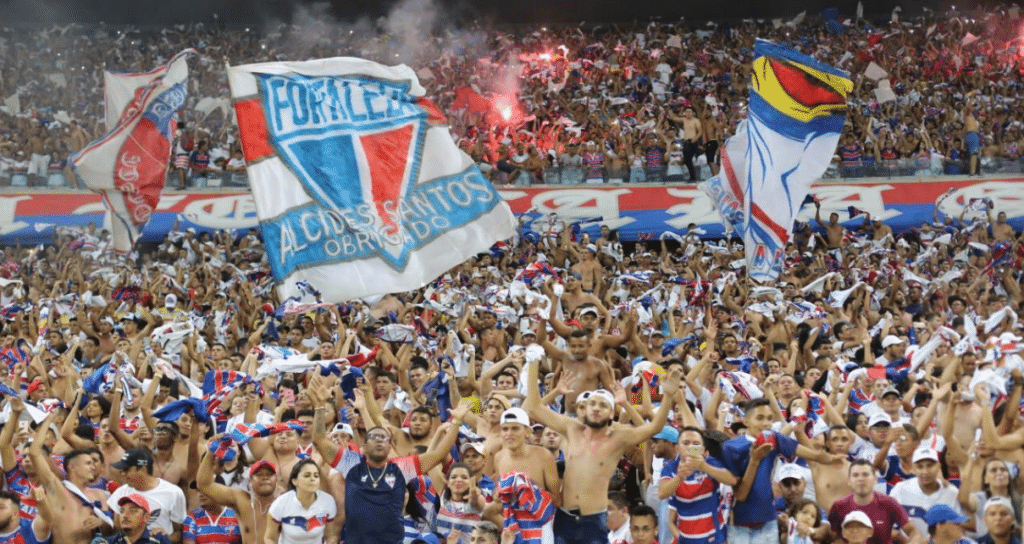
(796, 114)
(358, 185)
(128, 165)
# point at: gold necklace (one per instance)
(376, 480)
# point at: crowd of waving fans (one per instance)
(934, 94)
(559, 388)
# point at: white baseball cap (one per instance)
(170, 300)
(790, 470)
(924, 454)
(891, 340)
(998, 501)
(879, 417)
(857, 516)
(605, 395)
(515, 415)
(343, 428)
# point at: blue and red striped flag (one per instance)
(525, 506)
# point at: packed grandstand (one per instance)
(559, 104)
(566, 385)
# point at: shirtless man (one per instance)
(590, 271)
(830, 481)
(693, 131)
(965, 415)
(833, 230)
(252, 506)
(78, 521)
(103, 329)
(488, 425)
(879, 230)
(594, 444)
(584, 371)
(40, 159)
(516, 455)
(421, 430)
(169, 462)
(713, 137)
(279, 449)
(972, 140)
(1001, 231)
(573, 296)
(77, 139)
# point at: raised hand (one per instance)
(671, 385)
(460, 411)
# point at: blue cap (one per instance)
(426, 538)
(669, 433)
(941, 513)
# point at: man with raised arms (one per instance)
(583, 371)
(594, 445)
(70, 501)
(251, 506)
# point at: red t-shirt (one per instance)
(883, 511)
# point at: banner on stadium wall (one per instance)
(637, 211)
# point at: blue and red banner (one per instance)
(128, 165)
(636, 211)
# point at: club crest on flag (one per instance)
(355, 175)
(370, 133)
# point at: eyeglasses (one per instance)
(375, 437)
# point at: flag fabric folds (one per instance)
(358, 185)
(128, 165)
(795, 118)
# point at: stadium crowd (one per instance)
(554, 105)
(557, 389)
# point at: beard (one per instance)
(596, 424)
(416, 435)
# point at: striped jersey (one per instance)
(456, 516)
(18, 483)
(203, 528)
(696, 503)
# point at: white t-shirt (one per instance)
(303, 525)
(621, 535)
(166, 502)
(909, 494)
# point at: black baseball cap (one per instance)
(136, 457)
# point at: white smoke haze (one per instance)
(409, 27)
(414, 32)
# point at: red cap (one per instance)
(137, 500)
(269, 308)
(876, 372)
(262, 463)
(35, 385)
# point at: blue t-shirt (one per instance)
(375, 498)
(23, 535)
(759, 508)
(696, 501)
